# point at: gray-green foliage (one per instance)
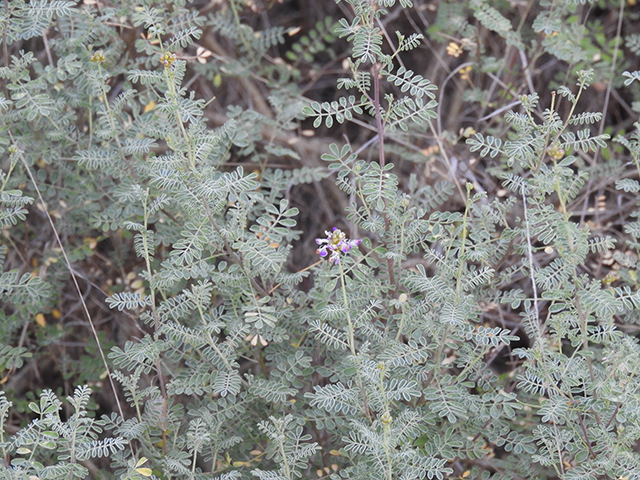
(384, 366)
(568, 368)
(50, 447)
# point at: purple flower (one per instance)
(335, 243)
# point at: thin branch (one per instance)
(73, 277)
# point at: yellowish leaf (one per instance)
(454, 49)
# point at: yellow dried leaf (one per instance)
(50, 260)
(467, 132)
(454, 49)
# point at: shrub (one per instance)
(453, 325)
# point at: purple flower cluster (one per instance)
(335, 243)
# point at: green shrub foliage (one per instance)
(391, 356)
